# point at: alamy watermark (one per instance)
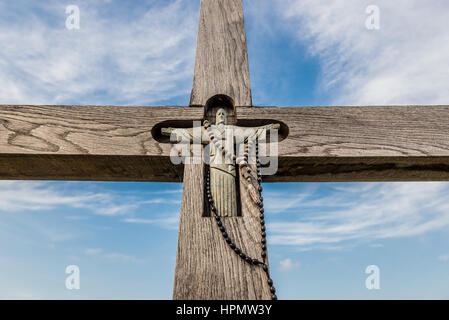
(73, 19)
(72, 282)
(372, 22)
(372, 282)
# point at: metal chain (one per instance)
(224, 232)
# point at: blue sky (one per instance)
(302, 52)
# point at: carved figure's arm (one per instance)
(253, 132)
(274, 126)
(167, 131)
(185, 135)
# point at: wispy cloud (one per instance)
(26, 195)
(30, 195)
(405, 62)
(444, 257)
(168, 222)
(288, 265)
(46, 213)
(144, 56)
(111, 256)
(382, 211)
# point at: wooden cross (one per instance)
(389, 143)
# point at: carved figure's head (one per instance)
(221, 117)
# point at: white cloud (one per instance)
(117, 209)
(27, 195)
(34, 196)
(111, 256)
(444, 257)
(287, 265)
(278, 202)
(144, 56)
(168, 222)
(405, 62)
(350, 215)
(34, 212)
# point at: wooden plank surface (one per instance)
(378, 143)
(396, 143)
(221, 65)
(87, 143)
(206, 268)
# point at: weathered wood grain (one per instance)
(382, 143)
(206, 268)
(87, 143)
(221, 65)
(378, 143)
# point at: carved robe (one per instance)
(223, 175)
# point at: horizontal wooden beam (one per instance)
(376, 143)
(391, 143)
(87, 143)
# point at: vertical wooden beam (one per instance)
(206, 268)
(221, 65)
